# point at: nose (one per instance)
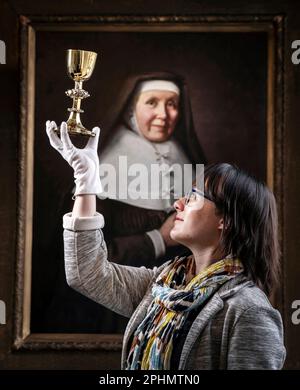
(179, 204)
(161, 111)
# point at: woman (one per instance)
(208, 310)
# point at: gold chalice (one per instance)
(80, 66)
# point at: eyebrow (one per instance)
(194, 189)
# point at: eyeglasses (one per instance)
(194, 196)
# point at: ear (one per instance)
(221, 224)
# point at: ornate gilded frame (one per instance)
(272, 25)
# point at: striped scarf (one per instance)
(173, 299)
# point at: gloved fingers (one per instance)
(93, 141)
(54, 139)
(67, 143)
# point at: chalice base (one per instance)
(75, 128)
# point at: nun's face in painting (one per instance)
(157, 114)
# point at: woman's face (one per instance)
(197, 224)
(157, 114)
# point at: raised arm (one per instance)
(117, 287)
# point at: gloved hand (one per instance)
(85, 162)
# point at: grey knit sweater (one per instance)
(237, 328)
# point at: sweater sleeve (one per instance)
(256, 341)
(88, 271)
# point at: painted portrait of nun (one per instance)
(154, 126)
(229, 110)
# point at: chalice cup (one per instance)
(80, 66)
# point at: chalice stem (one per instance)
(76, 104)
(77, 99)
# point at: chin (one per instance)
(176, 237)
(162, 135)
(160, 138)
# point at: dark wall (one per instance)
(212, 109)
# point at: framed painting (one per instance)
(233, 70)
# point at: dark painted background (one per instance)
(226, 75)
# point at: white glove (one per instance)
(85, 162)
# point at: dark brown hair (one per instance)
(250, 221)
